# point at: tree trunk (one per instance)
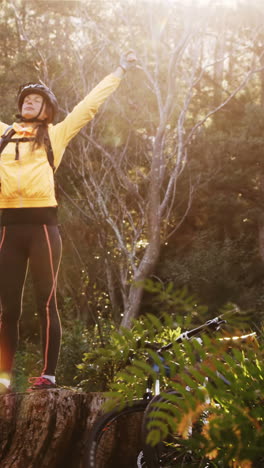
(219, 64)
(48, 429)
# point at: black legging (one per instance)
(38, 246)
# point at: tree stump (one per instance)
(48, 429)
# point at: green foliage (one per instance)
(105, 360)
(235, 428)
(218, 247)
(178, 302)
(218, 270)
(102, 364)
(226, 414)
(101, 361)
(110, 352)
(28, 363)
(75, 341)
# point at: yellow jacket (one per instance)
(29, 181)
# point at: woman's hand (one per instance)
(128, 60)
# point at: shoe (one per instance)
(40, 383)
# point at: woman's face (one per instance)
(32, 105)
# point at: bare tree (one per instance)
(128, 162)
(134, 200)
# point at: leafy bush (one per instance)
(230, 402)
(104, 361)
(28, 362)
(101, 365)
(75, 341)
(218, 270)
(100, 360)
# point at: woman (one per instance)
(30, 153)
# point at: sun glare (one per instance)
(231, 3)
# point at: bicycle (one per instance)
(174, 451)
(98, 446)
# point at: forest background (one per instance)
(166, 183)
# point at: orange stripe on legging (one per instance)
(3, 237)
(1, 243)
(53, 290)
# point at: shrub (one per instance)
(232, 407)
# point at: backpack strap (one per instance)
(7, 135)
(50, 154)
(7, 138)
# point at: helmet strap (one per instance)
(34, 119)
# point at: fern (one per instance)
(234, 432)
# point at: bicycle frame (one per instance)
(215, 324)
(107, 422)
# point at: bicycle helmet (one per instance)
(37, 88)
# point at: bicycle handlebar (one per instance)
(214, 323)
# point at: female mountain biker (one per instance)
(30, 152)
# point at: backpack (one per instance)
(7, 138)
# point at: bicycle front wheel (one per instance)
(115, 438)
(169, 453)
